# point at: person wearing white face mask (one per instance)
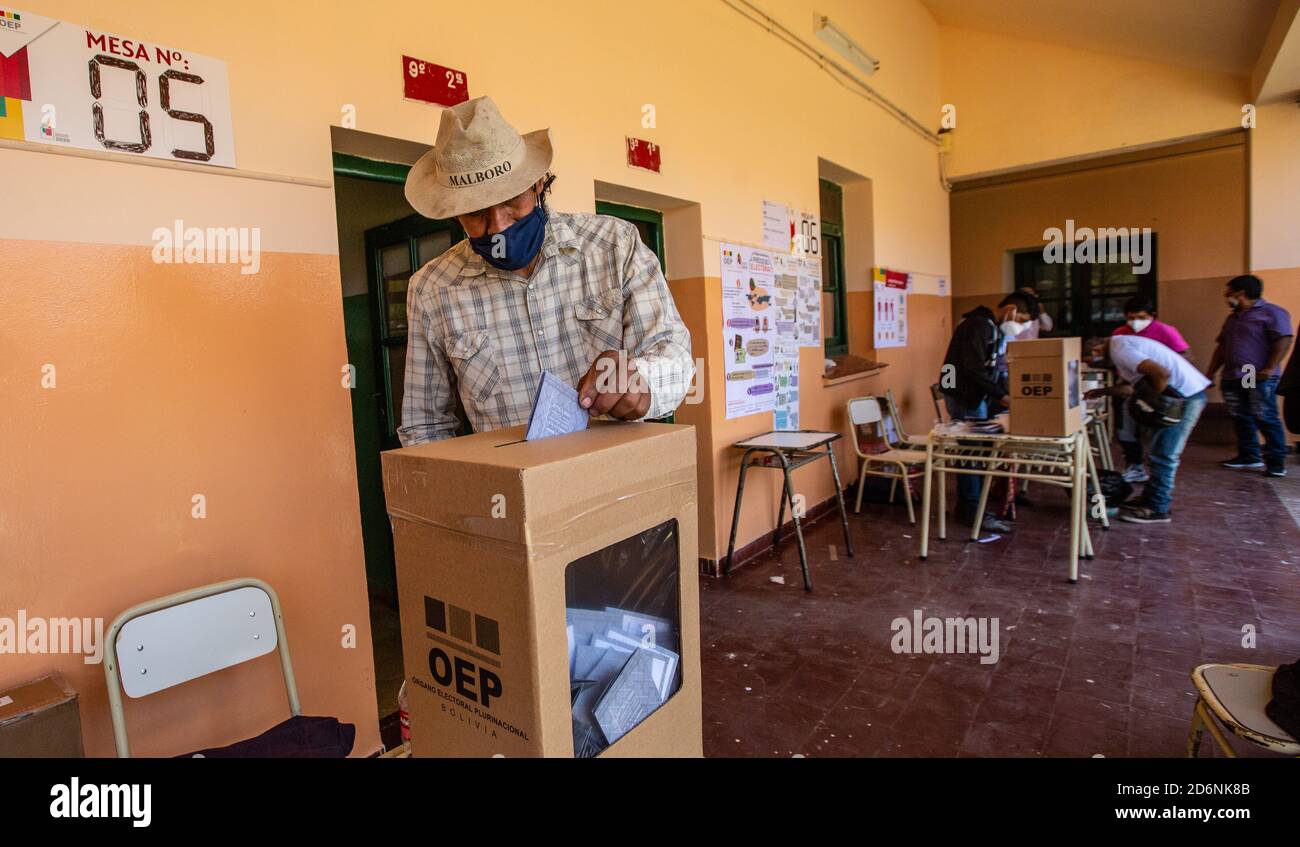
(1017, 326)
(1140, 320)
(1042, 321)
(971, 384)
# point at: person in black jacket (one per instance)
(972, 386)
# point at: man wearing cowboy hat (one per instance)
(529, 290)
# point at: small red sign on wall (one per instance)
(430, 83)
(642, 154)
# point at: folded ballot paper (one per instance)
(555, 409)
(622, 666)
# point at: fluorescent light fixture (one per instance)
(838, 39)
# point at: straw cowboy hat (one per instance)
(477, 161)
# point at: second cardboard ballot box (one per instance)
(1046, 396)
(548, 592)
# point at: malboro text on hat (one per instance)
(480, 176)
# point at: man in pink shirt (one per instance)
(1140, 319)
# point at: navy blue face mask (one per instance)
(517, 245)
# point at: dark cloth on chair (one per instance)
(301, 737)
(1284, 708)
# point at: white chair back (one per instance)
(184, 642)
(864, 410)
(174, 639)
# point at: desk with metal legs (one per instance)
(787, 451)
(1064, 461)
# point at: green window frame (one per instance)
(832, 237)
(1085, 299)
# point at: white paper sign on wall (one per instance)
(71, 86)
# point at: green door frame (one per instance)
(655, 221)
(356, 166)
(833, 283)
(637, 214)
(376, 532)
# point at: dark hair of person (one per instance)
(1248, 284)
(1139, 304)
(1023, 303)
(546, 187)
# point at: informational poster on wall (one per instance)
(785, 286)
(67, 85)
(778, 227)
(809, 303)
(890, 304)
(749, 316)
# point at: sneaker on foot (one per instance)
(1237, 462)
(1136, 473)
(1144, 514)
(991, 523)
(1276, 472)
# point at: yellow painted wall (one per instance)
(1275, 187)
(1195, 204)
(1023, 102)
(181, 379)
(1275, 204)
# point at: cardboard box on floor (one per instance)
(1046, 395)
(40, 720)
(485, 528)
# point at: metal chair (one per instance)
(901, 440)
(174, 639)
(1101, 415)
(1234, 695)
(898, 464)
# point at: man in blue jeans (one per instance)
(1251, 347)
(1135, 359)
(971, 384)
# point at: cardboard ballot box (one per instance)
(1046, 396)
(40, 720)
(548, 592)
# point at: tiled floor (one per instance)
(1099, 667)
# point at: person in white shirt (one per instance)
(1163, 371)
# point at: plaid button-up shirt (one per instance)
(488, 334)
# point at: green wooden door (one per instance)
(375, 328)
(394, 252)
(650, 226)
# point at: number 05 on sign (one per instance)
(67, 85)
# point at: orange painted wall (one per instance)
(170, 384)
(1275, 204)
(235, 381)
(1196, 204)
(693, 304)
(1024, 102)
(911, 371)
